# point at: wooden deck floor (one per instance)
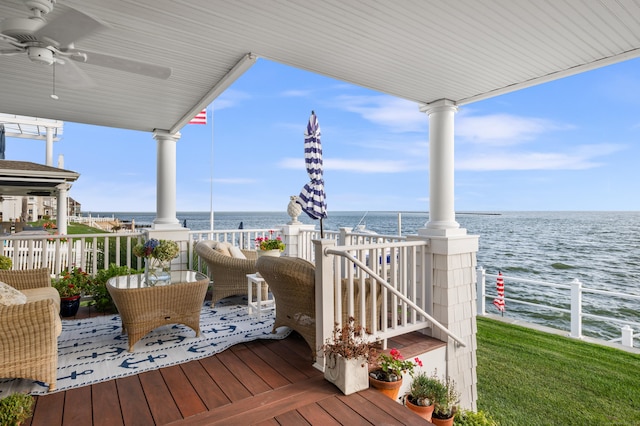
(266, 382)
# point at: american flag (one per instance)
(200, 118)
(499, 301)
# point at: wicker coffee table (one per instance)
(143, 307)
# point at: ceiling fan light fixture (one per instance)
(40, 55)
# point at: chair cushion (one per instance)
(223, 248)
(236, 252)
(11, 296)
(43, 293)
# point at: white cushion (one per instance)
(11, 296)
(236, 252)
(223, 248)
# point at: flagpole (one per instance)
(211, 177)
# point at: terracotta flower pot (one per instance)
(421, 410)
(391, 389)
(442, 422)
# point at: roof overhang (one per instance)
(420, 50)
(31, 179)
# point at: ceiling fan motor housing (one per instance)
(40, 55)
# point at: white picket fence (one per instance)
(90, 252)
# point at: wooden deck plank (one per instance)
(77, 407)
(232, 388)
(157, 397)
(282, 365)
(185, 397)
(248, 378)
(292, 418)
(133, 403)
(343, 413)
(106, 407)
(265, 371)
(302, 364)
(48, 411)
(316, 415)
(266, 405)
(208, 390)
(163, 407)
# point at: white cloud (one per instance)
(502, 129)
(398, 115)
(297, 93)
(230, 98)
(356, 166)
(583, 157)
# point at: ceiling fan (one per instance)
(53, 43)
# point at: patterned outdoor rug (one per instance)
(93, 350)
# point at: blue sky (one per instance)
(571, 144)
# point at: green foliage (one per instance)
(424, 389)
(15, 409)
(101, 298)
(469, 418)
(535, 378)
(73, 282)
(5, 262)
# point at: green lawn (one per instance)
(73, 228)
(526, 377)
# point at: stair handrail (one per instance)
(344, 253)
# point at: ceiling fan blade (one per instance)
(69, 27)
(70, 75)
(122, 64)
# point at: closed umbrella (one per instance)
(312, 197)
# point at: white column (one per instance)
(61, 219)
(49, 147)
(166, 180)
(442, 215)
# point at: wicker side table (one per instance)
(143, 308)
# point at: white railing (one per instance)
(574, 295)
(343, 237)
(91, 252)
(393, 278)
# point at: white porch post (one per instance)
(49, 147)
(166, 181)
(442, 215)
(61, 218)
(452, 256)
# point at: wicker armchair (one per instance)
(229, 274)
(29, 333)
(293, 281)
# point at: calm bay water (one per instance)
(601, 249)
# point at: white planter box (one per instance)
(349, 375)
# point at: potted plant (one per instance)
(71, 285)
(387, 377)
(158, 255)
(347, 356)
(422, 394)
(445, 403)
(269, 246)
(15, 408)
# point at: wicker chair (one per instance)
(29, 333)
(293, 281)
(229, 274)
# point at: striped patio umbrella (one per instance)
(312, 198)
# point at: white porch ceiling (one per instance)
(421, 50)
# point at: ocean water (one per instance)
(601, 249)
